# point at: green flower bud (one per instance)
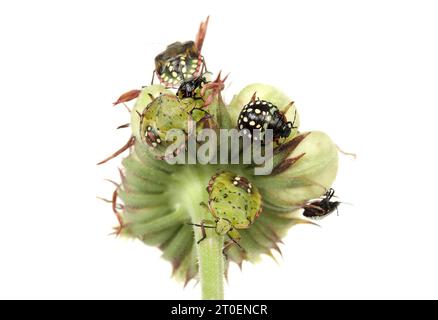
(303, 172)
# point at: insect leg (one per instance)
(330, 193)
(204, 66)
(293, 122)
(153, 77)
(202, 226)
(234, 240)
(204, 234)
(228, 245)
(203, 204)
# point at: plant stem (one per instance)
(210, 257)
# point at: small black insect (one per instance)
(262, 115)
(191, 88)
(318, 209)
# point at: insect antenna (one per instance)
(199, 225)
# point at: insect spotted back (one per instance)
(163, 114)
(234, 198)
(234, 204)
(261, 115)
(181, 61)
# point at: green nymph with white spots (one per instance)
(234, 204)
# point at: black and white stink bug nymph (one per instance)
(261, 115)
(321, 208)
(191, 88)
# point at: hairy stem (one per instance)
(210, 257)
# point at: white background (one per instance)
(365, 72)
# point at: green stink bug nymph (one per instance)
(234, 204)
(163, 114)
